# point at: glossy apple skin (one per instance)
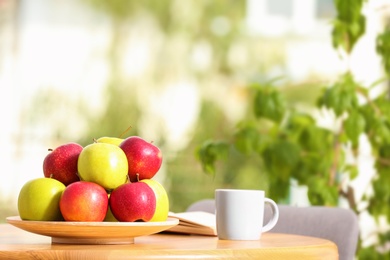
(61, 163)
(110, 140)
(162, 201)
(84, 201)
(133, 201)
(103, 163)
(144, 158)
(39, 200)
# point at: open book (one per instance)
(194, 222)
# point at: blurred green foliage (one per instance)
(292, 145)
(349, 24)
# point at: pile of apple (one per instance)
(107, 180)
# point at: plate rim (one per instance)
(71, 232)
(170, 221)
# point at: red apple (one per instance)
(133, 201)
(144, 158)
(84, 201)
(61, 163)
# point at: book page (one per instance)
(195, 222)
(201, 218)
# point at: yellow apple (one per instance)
(110, 140)
(39, 199)
(162, 201)
(104, 164)
(109, 216)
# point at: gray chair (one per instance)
(336, 224)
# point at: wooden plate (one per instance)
(67, 232)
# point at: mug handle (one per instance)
(275, 215)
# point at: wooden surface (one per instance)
(19, 244)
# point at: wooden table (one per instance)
(19, 244)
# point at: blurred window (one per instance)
(280, 8)
(325, 9)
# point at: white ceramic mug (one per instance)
(240, 213)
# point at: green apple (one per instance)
(162, 201)
(39, 199)
(110, 140)
(109, 216)
(104, 164)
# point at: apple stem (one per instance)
(137, 174)
(51, 176)
(94, 140)
(50, 150)
(127, 129)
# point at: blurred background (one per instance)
(176, 72)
